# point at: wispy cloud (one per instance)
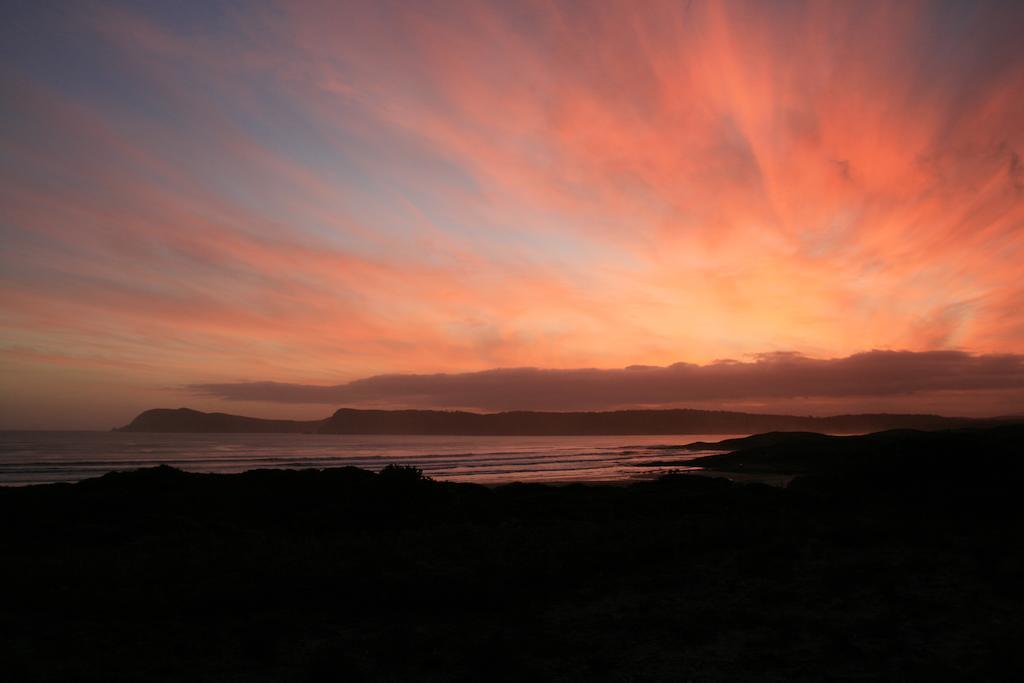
(316, 192)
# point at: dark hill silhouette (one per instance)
(188, 420)
(533, 423)
(678, 421)
(924, 453)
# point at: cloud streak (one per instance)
(770, 376)
(276, 189)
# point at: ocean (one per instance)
(47, 457)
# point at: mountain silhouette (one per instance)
(193, 421)
(535, 423)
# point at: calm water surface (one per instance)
(45, 457)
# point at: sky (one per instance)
(280, 208)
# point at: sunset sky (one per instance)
(262, 207)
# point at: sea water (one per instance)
(46, 457)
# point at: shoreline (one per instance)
(774, 458)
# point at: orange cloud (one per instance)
(318, 192)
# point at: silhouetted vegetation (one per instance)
(343, 574)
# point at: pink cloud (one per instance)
(326, 192)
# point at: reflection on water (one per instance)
(44, 457)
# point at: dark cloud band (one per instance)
(768, 376)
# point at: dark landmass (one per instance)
(910, 574)
(193, 421)
(528, 423)
(889, 452)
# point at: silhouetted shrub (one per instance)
(403, 473)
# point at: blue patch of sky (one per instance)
(375, 167)
(57, 46)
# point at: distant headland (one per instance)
(531, 423)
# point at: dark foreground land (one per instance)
(849, 574)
